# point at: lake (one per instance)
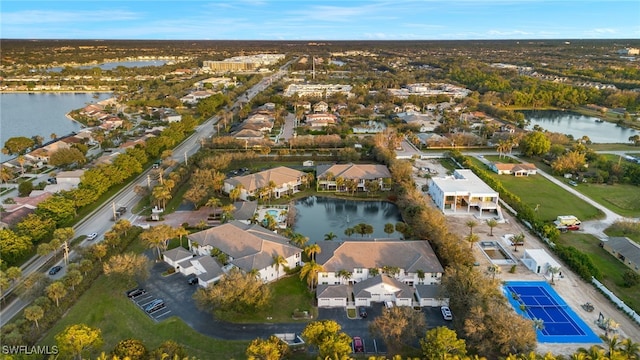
(113, 65)
(566, 122)
(318, 215)
(40, 114)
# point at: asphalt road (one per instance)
(100, 220)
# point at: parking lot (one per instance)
(145, 298)
(360, 326)
(178, 297)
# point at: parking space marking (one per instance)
(163, 314)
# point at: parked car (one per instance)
(92, 236)
(155, 305)
(573, 183)
(362, 312)
(54, 270)
(446, 313)
(358, 345)
(136, 292)
(192, 280)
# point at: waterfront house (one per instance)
(286, 180)
(328, 176)
(237, 245)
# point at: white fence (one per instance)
(616, 301)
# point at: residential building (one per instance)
(625, 250)
(375, 270)
(524, 169)
(463, 192)
(317, 90)
(286, 180)
(320, 107)
(238, 245)
(195, 97)
(328, 175)
(405, 260)
(320, 120)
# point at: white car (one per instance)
(446, 313)
(92, 236)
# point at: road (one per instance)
(99, 221)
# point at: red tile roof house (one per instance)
(524, 169)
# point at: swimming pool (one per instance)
(274, 213)
(538, 300)
(496, 253)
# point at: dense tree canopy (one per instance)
(235, 292)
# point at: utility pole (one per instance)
(65, 248)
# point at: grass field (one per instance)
(622, 199)
(104, 307)
(610, 267)
(288, 295)
(553, 200)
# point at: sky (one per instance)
(320, 20)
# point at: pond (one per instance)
(566, 122)
(318, 215)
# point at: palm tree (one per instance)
(312, 250)
(494, 270)
(180, 232)
(161, 194)
(553, 270)
(330, 236)
(472, 239)
(339, 183)
(421, 275)
(344, 274)
(310, 272)
(612, 343)
(349, 231)
(278, 261)
(214, 203)
(491, 223)
(34, 313)
(517, 240)
(374, 272)
(53, 136)
(227, 212)
(630, 349)
(593, 353)
(21, 160)
(471, 224)
(5, 174)
(299, 240)
(270, 188)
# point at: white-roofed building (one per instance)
(539, 261)
(463, 192)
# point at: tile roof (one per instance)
(280, 175)
(354, 171)
(360, 289)
(332, 291)
(408, 255)
(249, 246)
(178, 253)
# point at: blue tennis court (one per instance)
(540, 301)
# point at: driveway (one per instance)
(178, 297)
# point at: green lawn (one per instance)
(288, 295)
(103, 306)
(610, 267)
(503, 159)
(553, 200)
(622, 199)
